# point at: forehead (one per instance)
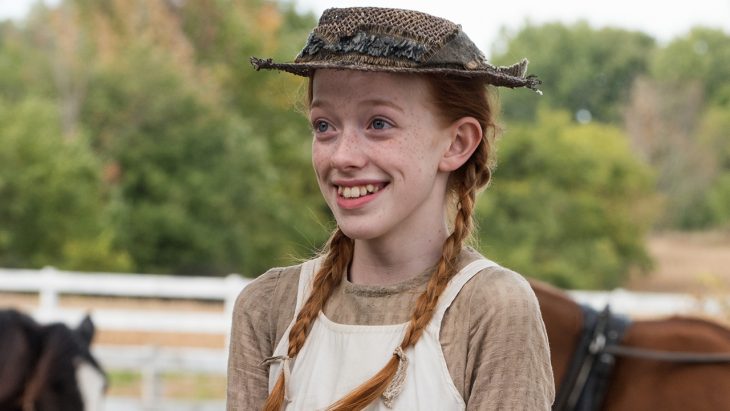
(353, 85)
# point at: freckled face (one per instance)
(376, 151)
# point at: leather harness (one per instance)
(591, 366)
(586, 381)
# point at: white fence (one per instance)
(653, 304)
(49, 284)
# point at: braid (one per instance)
(372, 389)
(455, 98)
(339, 253)
(446, 269)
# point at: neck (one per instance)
(393, 260)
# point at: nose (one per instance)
(349, 151)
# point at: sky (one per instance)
(482, 20)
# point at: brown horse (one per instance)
(638, 384)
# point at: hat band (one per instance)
(368, 44)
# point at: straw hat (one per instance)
(396, 40)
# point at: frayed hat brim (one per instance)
(497, 76)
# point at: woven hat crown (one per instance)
(407, 28)
(414, 24)
(396, 40)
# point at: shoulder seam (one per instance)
(272, 321)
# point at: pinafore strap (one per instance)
(306, 277)
(455, 286)
(280, 359)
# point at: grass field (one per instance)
(180, 386)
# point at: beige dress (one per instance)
(492, 336)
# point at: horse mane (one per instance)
(60, 343)
(20, 343)
(36, 355)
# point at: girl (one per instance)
(396, 312)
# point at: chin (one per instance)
(358, 233)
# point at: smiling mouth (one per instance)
(358, 191)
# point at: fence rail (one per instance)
(150, 361)
(653, 304)
(49, 284)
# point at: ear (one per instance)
(86, 329)
(466, 133)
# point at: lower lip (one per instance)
(353, 203)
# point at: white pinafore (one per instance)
(336, 358)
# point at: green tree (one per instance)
(691, 85)
(714, 134)
(24, 68)
(702, 58)
(199, 152)
(584, 70)
(661, 123)
(188, 177)
(569, 204)
(225, 35)
(51, 211)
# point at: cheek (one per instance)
(320, 159)
(421, 149)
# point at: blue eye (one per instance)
(380, 124)
(321, 126)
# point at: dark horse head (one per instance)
(48, 367)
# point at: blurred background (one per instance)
(136, 139)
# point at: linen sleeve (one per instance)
(508, 361)
(252, 340)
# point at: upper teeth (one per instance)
(356, 191)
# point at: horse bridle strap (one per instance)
(593, 360)
(590, 368)
(668, 356)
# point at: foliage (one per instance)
(51, 193)
(569, 203)
(660, 123)
(191, 180)
(702, 57)
(136, 136)
(190, 170)
(701, 61)
(23, 65)
(583, 69)
(714, 135)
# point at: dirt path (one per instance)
(695, 263)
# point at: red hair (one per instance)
(454, 98)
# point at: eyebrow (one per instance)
(369, 102)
